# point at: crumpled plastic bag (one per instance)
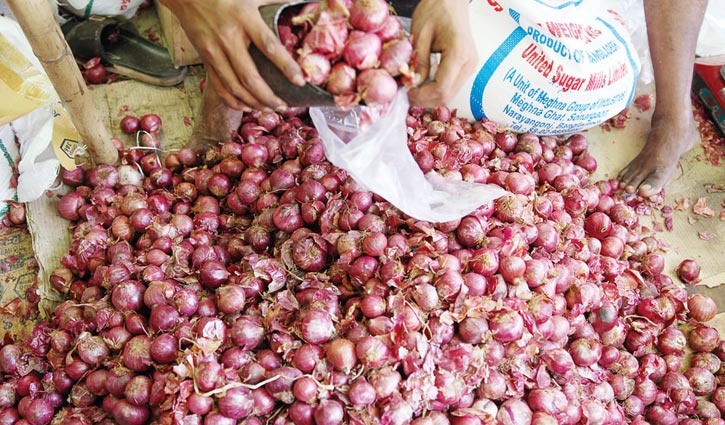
(374, 151)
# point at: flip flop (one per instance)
(122, 50)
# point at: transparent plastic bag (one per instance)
(373, 150)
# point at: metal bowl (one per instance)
(307, 95)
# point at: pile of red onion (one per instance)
(256, 283)
(355, 49)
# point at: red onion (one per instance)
(689, 271)
(672, 341)
(237, 403)
(213, 273)
(163, 318)
(69, 206)
(281, 388)
(703, 338)
(316, 326)
(150, 123)
(558, 361)
(137, 353)
(519, 183)
(129, 414)
(306, 357)
(95, 75)
(128, 295)
(372, 351)
(341, 354)
(506, 325)
(361, 393)
(702, 381)
(315, 68)
(659, 415)
(8, 396)
(103, 175)
(395, 56)
(305, 390)
(376, 86)
(92, 349)
(329, 412)
(548, 400)
(302, 413)
(199, 404)
(141, 219)
(230, 299)
(392, 28)
(186, 302)
(310, 253)
(341, 80)
(369, 15)
(514, 412)
(74, 177)
(207, 375)
(247, 332)
(39, 412)
(707, 361)
(585, 351)
(702, 308)
(28, 385)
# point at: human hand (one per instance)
(221, 31)
(441, 26)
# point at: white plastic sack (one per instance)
(549, 66)
(633, 11)
(38, 166)
(86, 8)
(711, 41)
(8, 159)
(376, 155)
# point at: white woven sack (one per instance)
(86, 8)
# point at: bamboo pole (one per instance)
(44, 34)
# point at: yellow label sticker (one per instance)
(65, 138)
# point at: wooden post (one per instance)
(44, 34)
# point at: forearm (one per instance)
(672, 28)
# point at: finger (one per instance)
(422, 43)
(440, 91)
(262, 97)
(228, 98)
(222, 71)
(243, 93)
(272, 48)
(248, 74)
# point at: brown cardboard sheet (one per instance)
(614, 149)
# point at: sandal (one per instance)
(122, 50)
